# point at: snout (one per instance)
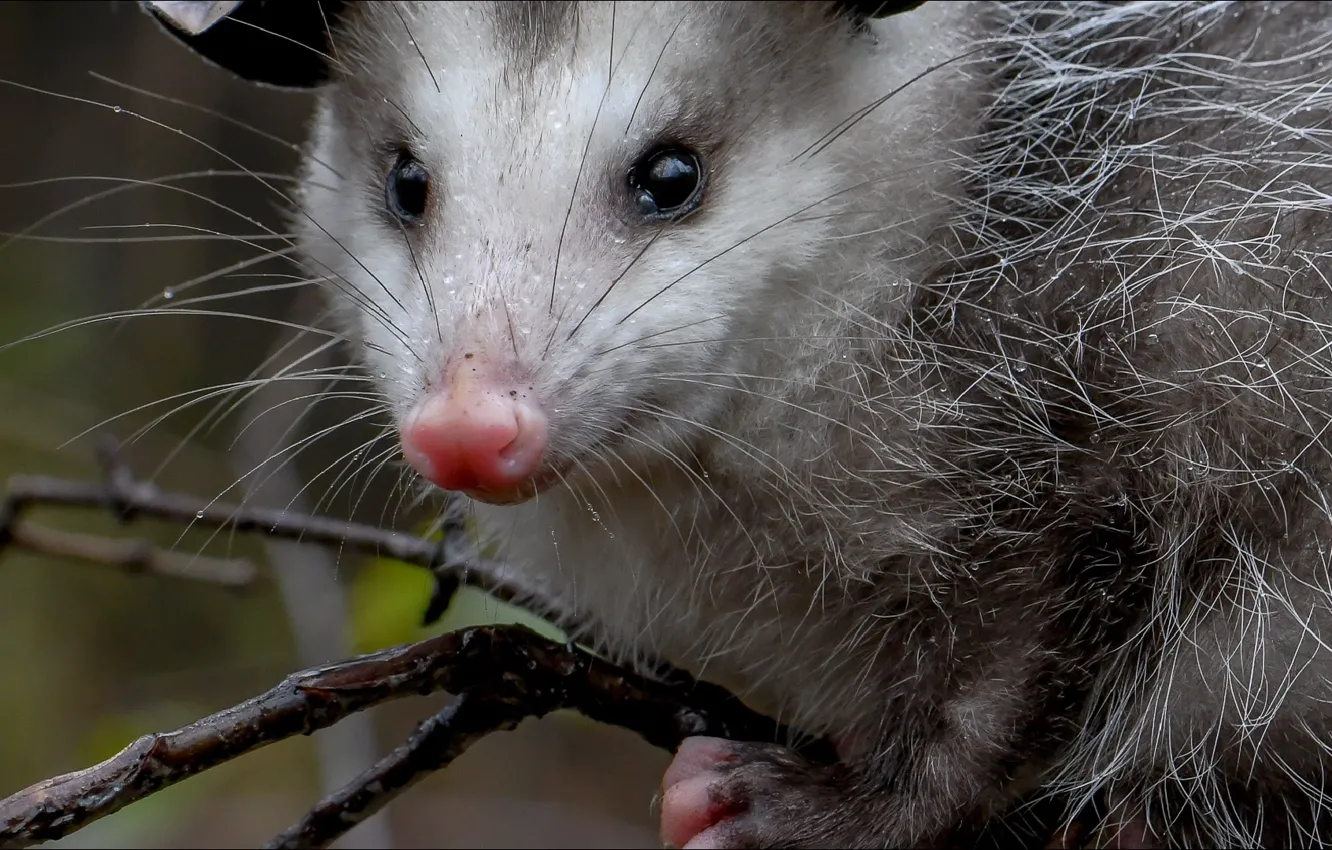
(480, 434)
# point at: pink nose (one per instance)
(476, 436)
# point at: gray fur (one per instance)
(534, 32)
(1012, 463)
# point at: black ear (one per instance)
(283, 43)
(867, 9)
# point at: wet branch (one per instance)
(500, 675)
(504, 674)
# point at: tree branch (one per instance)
(509, 671)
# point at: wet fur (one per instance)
(1009, 462)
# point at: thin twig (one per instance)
(450, 558)
(432, 746)
(132, 499)
(508, 666)
(132, 555)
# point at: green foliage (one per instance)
(387, 598)
(472, 607)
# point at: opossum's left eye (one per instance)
(667, 184)
(408, 189)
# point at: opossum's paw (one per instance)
(726, 794)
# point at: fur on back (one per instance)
(1017, 384)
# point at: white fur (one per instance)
(601, 544)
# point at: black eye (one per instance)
(408, 189)
(667, 184)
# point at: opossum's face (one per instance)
(564, 230)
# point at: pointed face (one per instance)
(562, 230)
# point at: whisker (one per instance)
(283, 196)
(221, 411)
(862, 184)
(573, 195)
(155, 312)
(617, 279)
(655, 334)
(864, 112)
(219, 116)
(655, 65)
(411, 39)
(126, 184)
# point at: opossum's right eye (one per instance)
(408, 189)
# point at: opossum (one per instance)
(950, 379)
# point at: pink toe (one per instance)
(694, 757)
(688, 808)
(708, 839)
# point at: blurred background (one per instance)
(92, 657)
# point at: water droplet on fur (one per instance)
(1019, 367)
(116, 109)
(1095, 436)
(1153, 339)
(168, 293)
(199, 515)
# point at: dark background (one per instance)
(91, 658)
